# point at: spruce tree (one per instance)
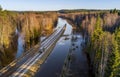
(116, 65)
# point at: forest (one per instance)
(31, 25)
(101, 31)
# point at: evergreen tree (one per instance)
(98, 32)
(117, 37)
(97, 44)
(116, 65)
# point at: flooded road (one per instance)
(53, 65)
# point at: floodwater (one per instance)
(78, 64)
(53, 65)
(21, 44)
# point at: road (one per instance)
(21, 65)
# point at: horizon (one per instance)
(59, 10)
(47, 5)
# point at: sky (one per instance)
(47, 5)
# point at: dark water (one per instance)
(55, 61)
(79, 64)
(53, 64)
(21, 43)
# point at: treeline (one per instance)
(29, 24)
(102, 40)
(67, 11)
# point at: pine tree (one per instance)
(117, 37)
(98, 30)
(116, 65)
(97, 44)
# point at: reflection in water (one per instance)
(61, 43)
(54, 63)
(21, 43)
(16, 32)
(62, 22)
(76, 62)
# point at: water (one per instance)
(62, 22)
(21, 44)
(55, 61)
(78, 65)
(16, 31)
(53, 64)
(21, 41)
